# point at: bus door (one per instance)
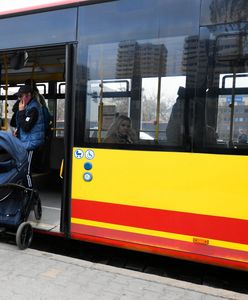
(51, 68)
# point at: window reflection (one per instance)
(225, 116)
(150, 51)
(223, 11)
(143, 80)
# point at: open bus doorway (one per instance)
(47, 67)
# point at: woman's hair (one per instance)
(32, 83)
(114, 128)
(36, 94)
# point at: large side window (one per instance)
(139, 73)
(221, 109)
(129, 79)
(224, 113)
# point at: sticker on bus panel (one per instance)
(89, 154)
(78, 153)
(87, 176)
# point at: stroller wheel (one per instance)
(37, 208)
(24, 235)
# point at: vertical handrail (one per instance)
(232, 108)
(158, 96)
(100, 114)
(158, 109)
(5, 59)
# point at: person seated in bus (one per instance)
(175, 126)
(242, 138)
(121, 131)
(30, 124)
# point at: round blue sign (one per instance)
(88, 166)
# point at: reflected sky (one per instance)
(137, 20)
(50, 27)
(103, 27)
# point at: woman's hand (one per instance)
(22, 104)
(15, 133)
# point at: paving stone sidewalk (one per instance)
(37, 275)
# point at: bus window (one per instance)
(232, 119)
(158, 59)
(113, 97)
(60, 118)
(225, 124)
(142, 80)
(9, 105)
(58, 108)
(171, 115)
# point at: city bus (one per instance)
(181, 77)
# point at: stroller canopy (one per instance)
(14, 147)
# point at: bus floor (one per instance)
(50, 196)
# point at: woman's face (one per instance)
(124, 127)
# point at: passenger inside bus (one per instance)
(175, 127)
(30, 124)
(121, 131)
(242, 138)
(40, 160)
(45, 110)
(36, 94)
(41, 154)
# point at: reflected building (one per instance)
(197, 52)
(143, 60)
(195, 60)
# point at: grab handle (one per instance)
(61, 169)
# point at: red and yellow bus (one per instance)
(177, 69)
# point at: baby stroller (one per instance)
(16, 199)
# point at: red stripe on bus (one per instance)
(161, 242)
(198, 225)
(218, 261)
